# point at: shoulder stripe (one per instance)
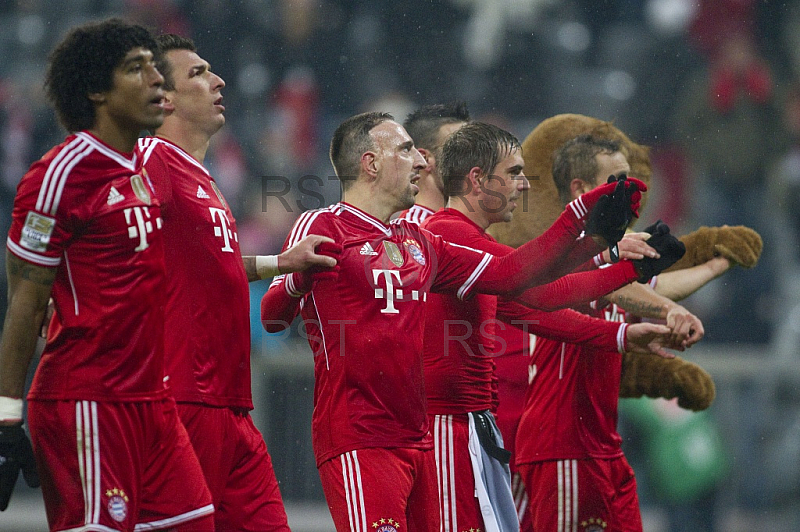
(50, 195)
(30, 256)
(67, 152)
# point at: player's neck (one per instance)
(362, 198)
(119, 138)
(470, 208)
(192, 141)
(431, 199)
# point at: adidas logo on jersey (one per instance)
(366, 249)
(114, 196)
(202, 193)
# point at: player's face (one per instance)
(197, 98)
(444, 132)
(503, 187)
(135, 99)
(609, 164)
(399, 164)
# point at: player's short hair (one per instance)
(167, 42)
(576, 159)
(475, 144)
(350, 140)
(83, 63)
(423, 124)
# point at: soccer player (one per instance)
(208, 302)
(86, 229)
(429, 127)
(568, 451)
(483, 169)
(369, 428)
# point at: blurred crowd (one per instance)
(713, 86)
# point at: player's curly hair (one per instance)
(84, 62)
(167, 42)
(576, 159)
(350, 140)
(424, 123)
(475, 144)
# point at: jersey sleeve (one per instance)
(577, 288)
(564, 326)
(41, 225)
(280, 305)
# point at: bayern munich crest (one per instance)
(117, 504)
(414, 251)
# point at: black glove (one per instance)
(612, 214)
(670, 248)
(15, 454)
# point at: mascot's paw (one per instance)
(653, 376)
(739, 244)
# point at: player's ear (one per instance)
(473, 179)
(578, 187)
(370, 164)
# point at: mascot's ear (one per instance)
(541, 205)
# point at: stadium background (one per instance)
(295, 68)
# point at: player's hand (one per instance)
(300, 283)
(649, 338)
(15, 454)
(687, 329)
(304, 255)
(668, 247)
(611, 208)
(633, 246)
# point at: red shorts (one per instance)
(459, 506)
(521, 502)
(382, 490)
(237, 468)
(565, 494)
(116, 466)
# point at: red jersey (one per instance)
(365, 327)
(208, 300)
(460, 336)
(84, 209)
(571, 404)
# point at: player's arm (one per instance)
(679, 284)
(28, 294)
(642, 300)
(571, 326)
(299, 257)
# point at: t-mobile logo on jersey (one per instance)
(390, 293)
(223, 229)
(140, 225)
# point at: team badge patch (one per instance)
(386, 525)
(593, 524)
(413, 249)
(117, 504)
(393, 252)
(37, 231)
(139, 188)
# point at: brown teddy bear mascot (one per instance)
(651, 376)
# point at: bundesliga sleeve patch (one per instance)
(37, 231)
